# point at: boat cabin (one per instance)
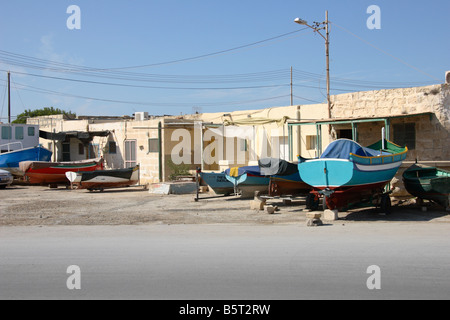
(18, 136)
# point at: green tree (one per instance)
(22, 118)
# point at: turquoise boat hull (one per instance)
(337, 173)
(348, 173)
(217, 182)
(248, 180)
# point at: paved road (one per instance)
(241, 262)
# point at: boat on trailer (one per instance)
(284, 176)
(347, 173)
(247, 180)
(41, 172)
(217, 182)
(429, 183)
(104, 179)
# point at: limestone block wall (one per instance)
(432, 133)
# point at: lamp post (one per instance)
(317, 26)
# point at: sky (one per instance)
(172, 57)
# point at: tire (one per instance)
(385, 205)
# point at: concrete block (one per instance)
(314, 222)
(330, 215)
(270, 209)
(159, 188)
(173, 188)
(313, 215)
(257, 205)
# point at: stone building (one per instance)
(418, 117)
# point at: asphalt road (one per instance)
(227, 261)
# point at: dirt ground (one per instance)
(42, 206)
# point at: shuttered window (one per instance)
(405, 135)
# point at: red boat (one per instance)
(40, 172)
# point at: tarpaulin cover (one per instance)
(238, 171)
(273, 166)
(341, 149)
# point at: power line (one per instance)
(166, 104)
(31, 62)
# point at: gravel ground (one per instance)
(42, 206)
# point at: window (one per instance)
(6, 133)
(66, 151)
(153, 145)
(243, 145)
(311, 142)
(94, 151)
(345, 134)
(18, 133)
(130, 153)
(31, 131)
(112, 147)
(405, 134)
(80, 149)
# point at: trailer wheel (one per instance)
(385, 204)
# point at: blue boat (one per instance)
(9, 161)
(217, 182)
(348, 173)
(246, 180)
(284, 176)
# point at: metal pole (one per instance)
(9, 97)
(327, 48)
(197, 182)
(292, 97)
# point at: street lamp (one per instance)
(317, 26)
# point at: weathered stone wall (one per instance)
(432, 133)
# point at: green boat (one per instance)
(428, 183)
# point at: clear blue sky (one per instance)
(178, 56)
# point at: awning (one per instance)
(83, 136)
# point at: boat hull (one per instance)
(39, 172)
(288, 185)
(102, 179)
(217, 182)
(428, 183)
(10, 161)
(345, 181)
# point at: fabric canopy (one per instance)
(274, 166)
(341, 149)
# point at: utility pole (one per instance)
(292, 97)
(9, 97)
(317, 26)
(327, 46)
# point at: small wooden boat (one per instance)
(429, 183)
(40, 172)
(217, 182)
(348, 173)
(284, 177)
(103, 179)
(246, 180)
